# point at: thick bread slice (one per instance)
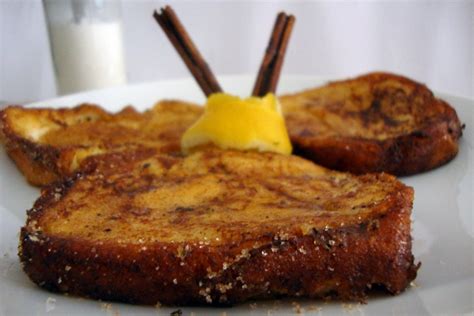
(373, 123)
(48, 145)
(218, 227)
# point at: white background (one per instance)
(430, 41)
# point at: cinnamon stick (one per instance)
(182, 42)
(269, 72)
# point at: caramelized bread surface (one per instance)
(218, 227)
(372, 123)
(48, 144)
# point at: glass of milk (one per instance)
(86, 43)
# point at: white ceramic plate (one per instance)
(442, 226)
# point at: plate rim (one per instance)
(226, 77)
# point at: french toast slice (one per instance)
(48, 144)
(218, 227)
(372, 123)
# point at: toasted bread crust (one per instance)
(398, 147)
(340, 255)
(36, 171)
(38, 163)
(48, 145)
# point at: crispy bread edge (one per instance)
(341, 262)
(43, 164)
(38, 163)
(429, 147)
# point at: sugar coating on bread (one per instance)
(218, 227)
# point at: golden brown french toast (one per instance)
(218, 227)
(373, 123)
(48, 144)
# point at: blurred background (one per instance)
(429, 41)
